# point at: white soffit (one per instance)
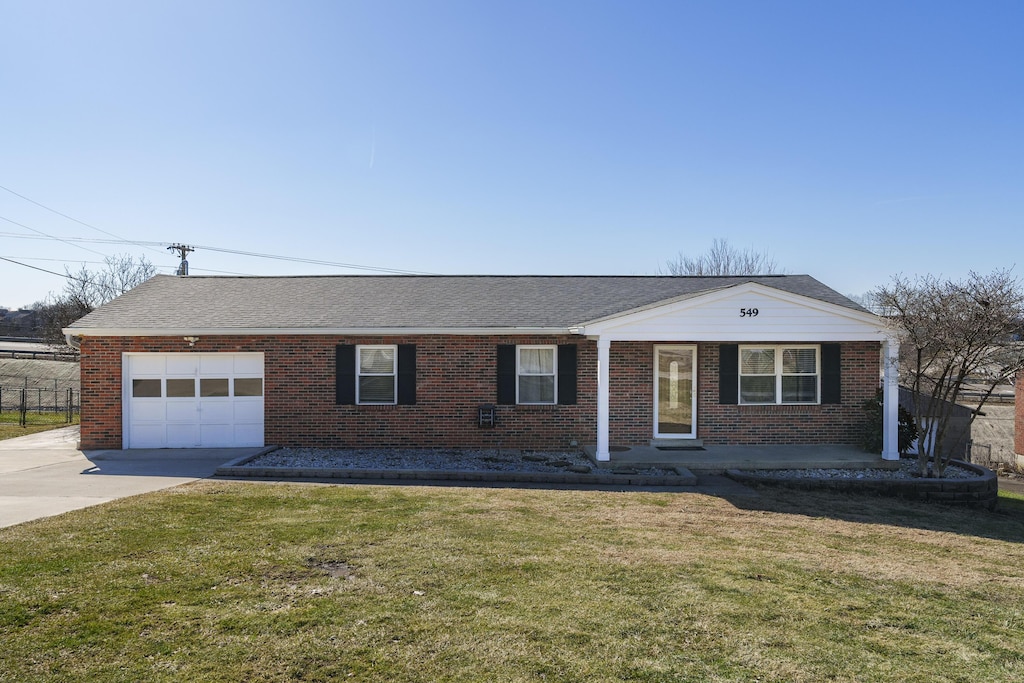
(744, 312)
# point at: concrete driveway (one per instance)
(45, 474)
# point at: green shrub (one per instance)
(871, 438)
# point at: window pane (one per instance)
(209, 387)
(377, 389)
(537, 361)
(181, 388)
(757, 389)
(537, 389)
(146, 388)
(249, 386)
(799, 361)
(757, 361)
(799, 389)
(377, 361)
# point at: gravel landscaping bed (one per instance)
(962, 483)
(907, 470)
(484, 460)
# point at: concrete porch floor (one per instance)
(719, 458)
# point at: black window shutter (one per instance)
(406, 374)
(567, 374)
(831, 380)
(506, 374)
(728, 374)
(345, 374)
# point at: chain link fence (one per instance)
(39, 405)
(998, 459)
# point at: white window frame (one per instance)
(360, 374)
(553, 374)
(779, 374)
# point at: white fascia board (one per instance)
(274, 331)
(678, 305)
(683, 336)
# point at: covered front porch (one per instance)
(675, 374)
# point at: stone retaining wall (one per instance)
(981, 491)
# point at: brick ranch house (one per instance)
(426, 361)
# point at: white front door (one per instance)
(192, 400)
(675, 395)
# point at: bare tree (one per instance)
(724, 259)
(867, 300)
(85, 290)
(953, 334)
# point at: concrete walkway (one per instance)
(45, 474)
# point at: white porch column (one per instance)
(890, 400)
(604, 347)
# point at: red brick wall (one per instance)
(455, 375)
(632, 397)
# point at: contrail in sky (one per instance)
(373, 146)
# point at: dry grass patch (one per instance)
(228, 581)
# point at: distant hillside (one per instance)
(39, 374)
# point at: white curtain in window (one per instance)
(376, 361)
(757, 361)
(536, 361)
(799, 361)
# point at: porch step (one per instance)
(677, 444)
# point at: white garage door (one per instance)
(193, 400)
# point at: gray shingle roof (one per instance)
(407, 301)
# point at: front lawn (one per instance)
(227, 581)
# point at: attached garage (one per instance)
(193, 400)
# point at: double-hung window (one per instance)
(779, 374)
(377, 374)
(536, 374)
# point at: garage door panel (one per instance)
(181, 411)
(149, 410)
(216, 364)
(186, 365)
(172, 417)
(248, 435)
(148, 364)
(149, 436)
(182, 436)
(248, 411)
(250, 364)
(216, 411)
(216, 435)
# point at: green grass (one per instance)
(228, 581)
(37, 422)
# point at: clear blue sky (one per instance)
(852, 139)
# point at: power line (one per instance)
(59, 239)
(64, 215)
(100, 263)
(63, 275)
(91, 240)
(316, 262)
(277, 257)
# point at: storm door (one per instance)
(675, 379)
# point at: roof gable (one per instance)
(747, 311)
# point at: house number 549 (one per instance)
(748, 312)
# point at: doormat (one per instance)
(680, 448)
